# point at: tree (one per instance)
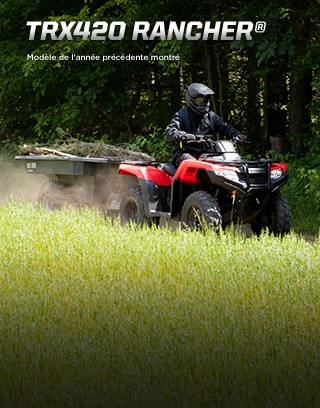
(289, 57)
(266, 87)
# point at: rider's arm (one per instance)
(224, 128)
(174, 132)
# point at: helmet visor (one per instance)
(201, 99)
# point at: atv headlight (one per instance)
(276, 173)
(229, 175)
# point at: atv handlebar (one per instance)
(239, 139)
(191, 137)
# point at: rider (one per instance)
(196, 119)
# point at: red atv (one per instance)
(218, 189)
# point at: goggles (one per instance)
(201, 99)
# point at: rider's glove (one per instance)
(239, 139)
(185, 137)
(188, 137)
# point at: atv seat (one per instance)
(169, 168)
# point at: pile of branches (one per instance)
(72, 147)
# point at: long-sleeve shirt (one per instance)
(187, 121)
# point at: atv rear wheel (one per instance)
(132, 207)
(277, 217)
(201, 210)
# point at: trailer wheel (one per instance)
(200, 211)
(50, 195)
(132, 207)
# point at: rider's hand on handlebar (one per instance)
(188, 137)
(183, 136)
(202, 138)
(240, 139)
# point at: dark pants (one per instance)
(184, 156)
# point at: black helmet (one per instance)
(197, 90)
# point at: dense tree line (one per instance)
(267, 87)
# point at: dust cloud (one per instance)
(16, 183)
(103, 191)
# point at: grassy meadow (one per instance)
(97, 315)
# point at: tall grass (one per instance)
(97, 315)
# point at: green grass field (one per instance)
(97, 315)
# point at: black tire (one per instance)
(201, 211)
(50, 195)
(277, 217)
(132, 207)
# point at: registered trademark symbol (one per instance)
(260, 27)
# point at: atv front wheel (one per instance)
(201, 210)
(132, 207)
(277, 217)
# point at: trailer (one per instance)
(79, 181)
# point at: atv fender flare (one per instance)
(152, 181)
(145, 172)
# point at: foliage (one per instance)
(303, 192)
(93, 314)
(156, 144)
(93, 98)
(268, 86)
(311, 179)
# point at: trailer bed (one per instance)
(79, 180)
(76, 166)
